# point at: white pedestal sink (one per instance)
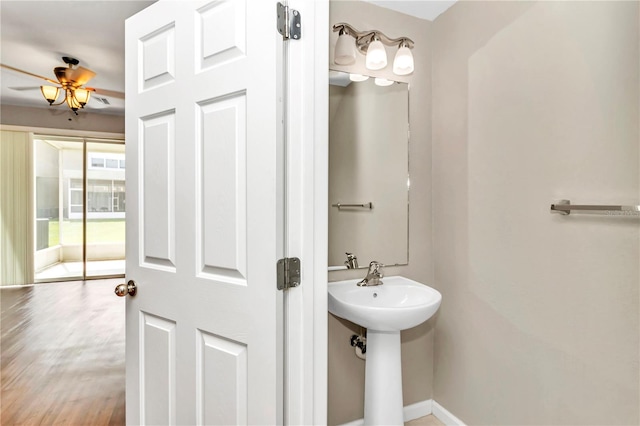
(398, 304)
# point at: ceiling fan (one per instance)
(71, 81)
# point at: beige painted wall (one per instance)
(60, 118)
(535, 102)
(346, 372)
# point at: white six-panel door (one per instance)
(203, 218)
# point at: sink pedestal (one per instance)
(383, 310)
(383, 403)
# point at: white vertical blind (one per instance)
(16, 208)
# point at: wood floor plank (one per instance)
(62, 354)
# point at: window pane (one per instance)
(59, 207)
(97, 162)
(106, 210)
(76, 197)
(118, 186)
(98, 185)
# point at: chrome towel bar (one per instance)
(565, 207)
(368, 205)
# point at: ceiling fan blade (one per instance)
(29, 73)
(25, 88)
(81, 75)
(105, 92)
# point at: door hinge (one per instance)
(289, 22)
(288, 273)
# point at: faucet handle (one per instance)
(375, 267)
(373, 274)
(352, 261)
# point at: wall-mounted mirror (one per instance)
(368, 170)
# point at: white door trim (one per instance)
(307, 177)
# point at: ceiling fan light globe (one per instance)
(50, 93)
(82, 96)
(72, 102)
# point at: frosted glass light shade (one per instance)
(376, 56)
(72, 102)
(50, 93)
(358, 77)
(383, 82)
(82, 96)
(403, 62)
(345, 53)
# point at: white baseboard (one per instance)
(417, 410)
(444, 415)
(358, 422)
(16, 286)
(421, 409)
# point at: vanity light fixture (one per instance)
(358, 77)
(371, 43)
(376, 54)
(383, 82)
(403, 62)
(345, 53)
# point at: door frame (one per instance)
(307, 224)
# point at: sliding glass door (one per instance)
(80, 208)
(106, 203)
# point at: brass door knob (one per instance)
(128, 288)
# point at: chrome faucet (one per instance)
(373, 275)
(352, 261)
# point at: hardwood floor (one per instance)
(62, 354)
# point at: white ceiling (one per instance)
(34, 35)
(424, 9)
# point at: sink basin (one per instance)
(398, 304)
